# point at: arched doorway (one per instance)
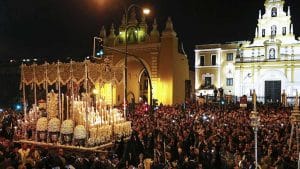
(270, 85)
(144, 85)
(136, 72)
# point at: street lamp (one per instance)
(126, 53)
(146, 12)
(255, 122)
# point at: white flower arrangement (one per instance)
(79, 132)
(67, 127)
(54, 125)
(41, 124)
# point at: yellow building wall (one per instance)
(106, 92)
(166, 68)
(119, 93)
(180, 75)
(135, 69)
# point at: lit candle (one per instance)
(109, 115)
(81, 118)
(62, 107)
(101, 115)
(67, 107)
(114, 117)
(34, 109)
(106, 117)
(73, 107)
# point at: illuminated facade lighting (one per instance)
(155, 49)
(272, 58)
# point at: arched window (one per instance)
(274, 12)
(273, 30)
(272, 53)
(132, 35)
(144, 84)
(283, 30)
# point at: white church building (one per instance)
(270, 63)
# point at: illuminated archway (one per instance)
(144, 85)
(136, 73)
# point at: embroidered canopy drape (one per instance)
(73, 71)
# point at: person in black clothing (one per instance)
(15, 156)
(9, 133)
(29, 132)
(133, 149)
(102, 163)
(53, 160)
(205, 158)
(216, 157)
(148, 145)
(120, 145)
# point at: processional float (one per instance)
(69, 115)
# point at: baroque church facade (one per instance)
(161, 54)
(269, 64)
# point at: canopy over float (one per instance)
(71, 117)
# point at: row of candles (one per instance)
(79, 106)
(104, 127)
(98, 117)
(104, 116)
(107, 132)
(66, 104)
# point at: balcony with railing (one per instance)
(262, 58)
(207, 87)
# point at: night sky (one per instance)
(60, 29)
(64, 28)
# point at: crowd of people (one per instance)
(186, 136)
(214, 137)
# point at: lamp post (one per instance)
(146, 12)
(255, 122)
(134, 56)
(141, 62)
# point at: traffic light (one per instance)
(154, 105)
(99, 48)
